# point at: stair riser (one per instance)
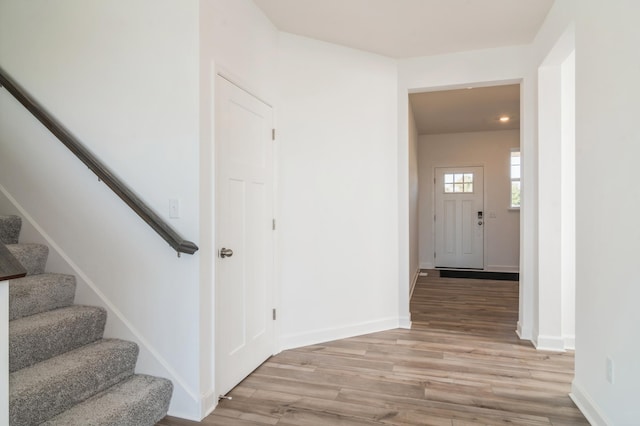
(10, 229)
(60, 383)
(32, 256)
(40, 293)
(40, 337)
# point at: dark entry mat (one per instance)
(480, 275)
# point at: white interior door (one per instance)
(244, 235)
(459, 217)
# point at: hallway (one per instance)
(460, 364)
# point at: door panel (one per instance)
(244, 213)
(449, 224)
(459, 217)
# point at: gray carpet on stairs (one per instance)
(32, 256)
(48, 388)
(34, 294)
(138, 401)
(10, 229)
(38, 337)
(61, 370)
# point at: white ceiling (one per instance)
(466, 110)
(408, 28)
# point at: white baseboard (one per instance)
(414, 281)
(209, 403)
(297, 340)
(404, 322)
(427, 266)
(549, 343)
(524, 333)
(587, 406)
(569, 342)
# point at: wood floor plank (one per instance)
(461, 364)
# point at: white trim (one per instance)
(587, 406)
(405, 322)
(209, 403)
(219, 68)
(4, 353)
(314, 337)
(523, 333)
(414, 281)
(549, 343)
(569, 342)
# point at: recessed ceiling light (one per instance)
(504, 119)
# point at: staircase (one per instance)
(62, 370)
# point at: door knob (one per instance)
(225, 252)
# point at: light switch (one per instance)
(174, 208)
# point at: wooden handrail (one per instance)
(96, 166)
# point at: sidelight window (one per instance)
(515, 179)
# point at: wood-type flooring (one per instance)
(461, 364)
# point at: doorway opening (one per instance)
(470, 129)
(467, 212)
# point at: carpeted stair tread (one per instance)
(138, 401)
(34, 294)
(32, 256)
(10, 229)
(62, 372)
(42, 336)
(48, 388)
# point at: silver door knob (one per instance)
(225, 252)
(479, 222)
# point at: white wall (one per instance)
(492, 150)
(568, 183)
(122, 76)
(607, 149)
(554, 329)
(547, 332)
(338, 201)
(414, 188)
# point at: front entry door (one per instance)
(459, 217)
(244, 235)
